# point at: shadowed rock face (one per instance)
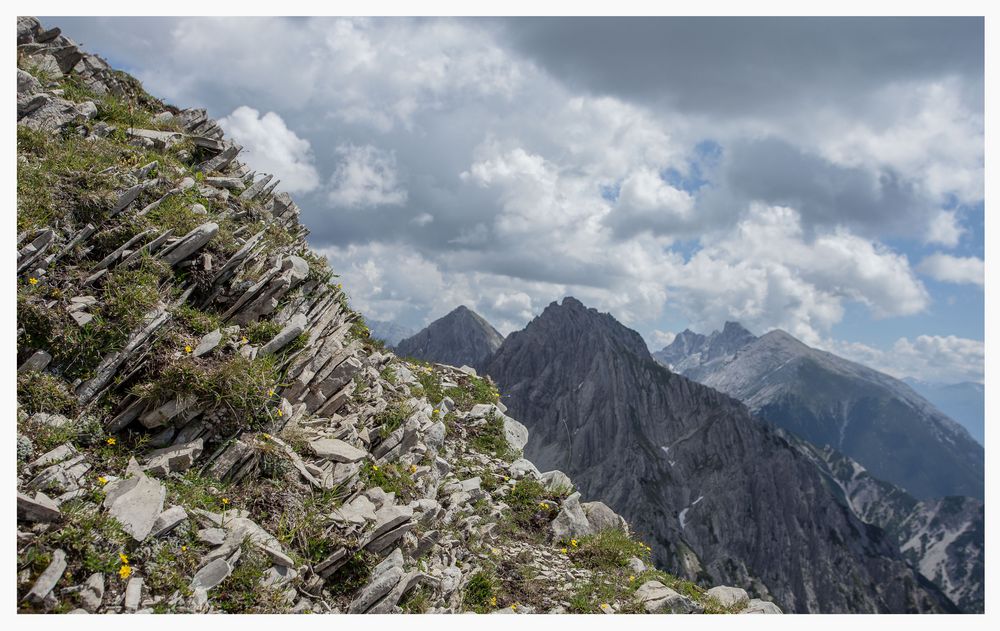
(721, 496)
(942, 538)
(461, 337)
(875, 419)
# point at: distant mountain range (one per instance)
(389, 332)
(964, 402)
(724, 496)
(875, 419)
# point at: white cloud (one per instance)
(660, 339)
(953, 269)
(422, 219)
(945, 229)
(365, 177)
(936, 358)
(270, 146)
(645, 201)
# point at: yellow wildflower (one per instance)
(631, 579)
(103, 480)
(280, 413)
(225, 500)
(270, 392)
(124, 571)
(112, 440)
(184, 548)
(413, 468)
(244, 340)
(573, 542)
(188, 349)
(493, 601)
(374, 467)
(266, 436)
(564, 551)
(513, 607)
(33, 280)
(124, 558)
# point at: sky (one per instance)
(819, 175)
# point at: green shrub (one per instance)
(490, 439)
(481, 591)
(42, 392)
(606, 550)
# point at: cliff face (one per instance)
(204, 424)
(461, 338)
(723, 496)
(875, 419)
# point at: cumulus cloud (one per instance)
(365, 177)
(270, 146)
(937, 358)
(647, 202)
(944, 229)
(953, 269)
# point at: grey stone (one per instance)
(758, 606)
(521, 468)
(571, 522)
(37, 361)
(48, 579)
(337, 450)
(435, 435)
(658, 598)
(212, 536)
(174, 458)
(92, 594)
(601, 517)
(34, 511)
(375, 590)
(168, 520)
(191, 243)
(211, 575)
(135, 502)
(556, 480)
(133, 594)
(515, 433)
(208, 343)
(64, 451)
(728, 596)
(292, 330)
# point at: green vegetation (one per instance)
(243, 591)
(262, 331)
(391, 419)
(391, 478)
(42, 392)
(244, 387)
(480, 594)
(472, 390)
(490, 439)
(607, 550)
(531, 509)
(354, 574)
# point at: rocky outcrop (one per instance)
(875, 419)
(684, 464)
(461, 338)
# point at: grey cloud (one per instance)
(748, 66)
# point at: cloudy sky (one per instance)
(823, 176)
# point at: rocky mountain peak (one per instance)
(461, 337)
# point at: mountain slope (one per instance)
(875, 419)
(461, 337)
(942, 538)
(720, 494)
(964, 402)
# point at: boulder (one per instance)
(92, 594)
(211, 575)
(601, 517)
(337, 450)
(168, 520)
(728, 596)
(48, 579)
(375, 590)
(208, 343)
(758, 606)
(658, 598)
(136, 503)
(515, 433)
(571, 522)
(521, 468)
(556, 480)
(174, 458)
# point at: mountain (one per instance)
(942, 537)
(875, 419)
(964, 402)
(463, 337)
(721, 495)
(389, 332)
